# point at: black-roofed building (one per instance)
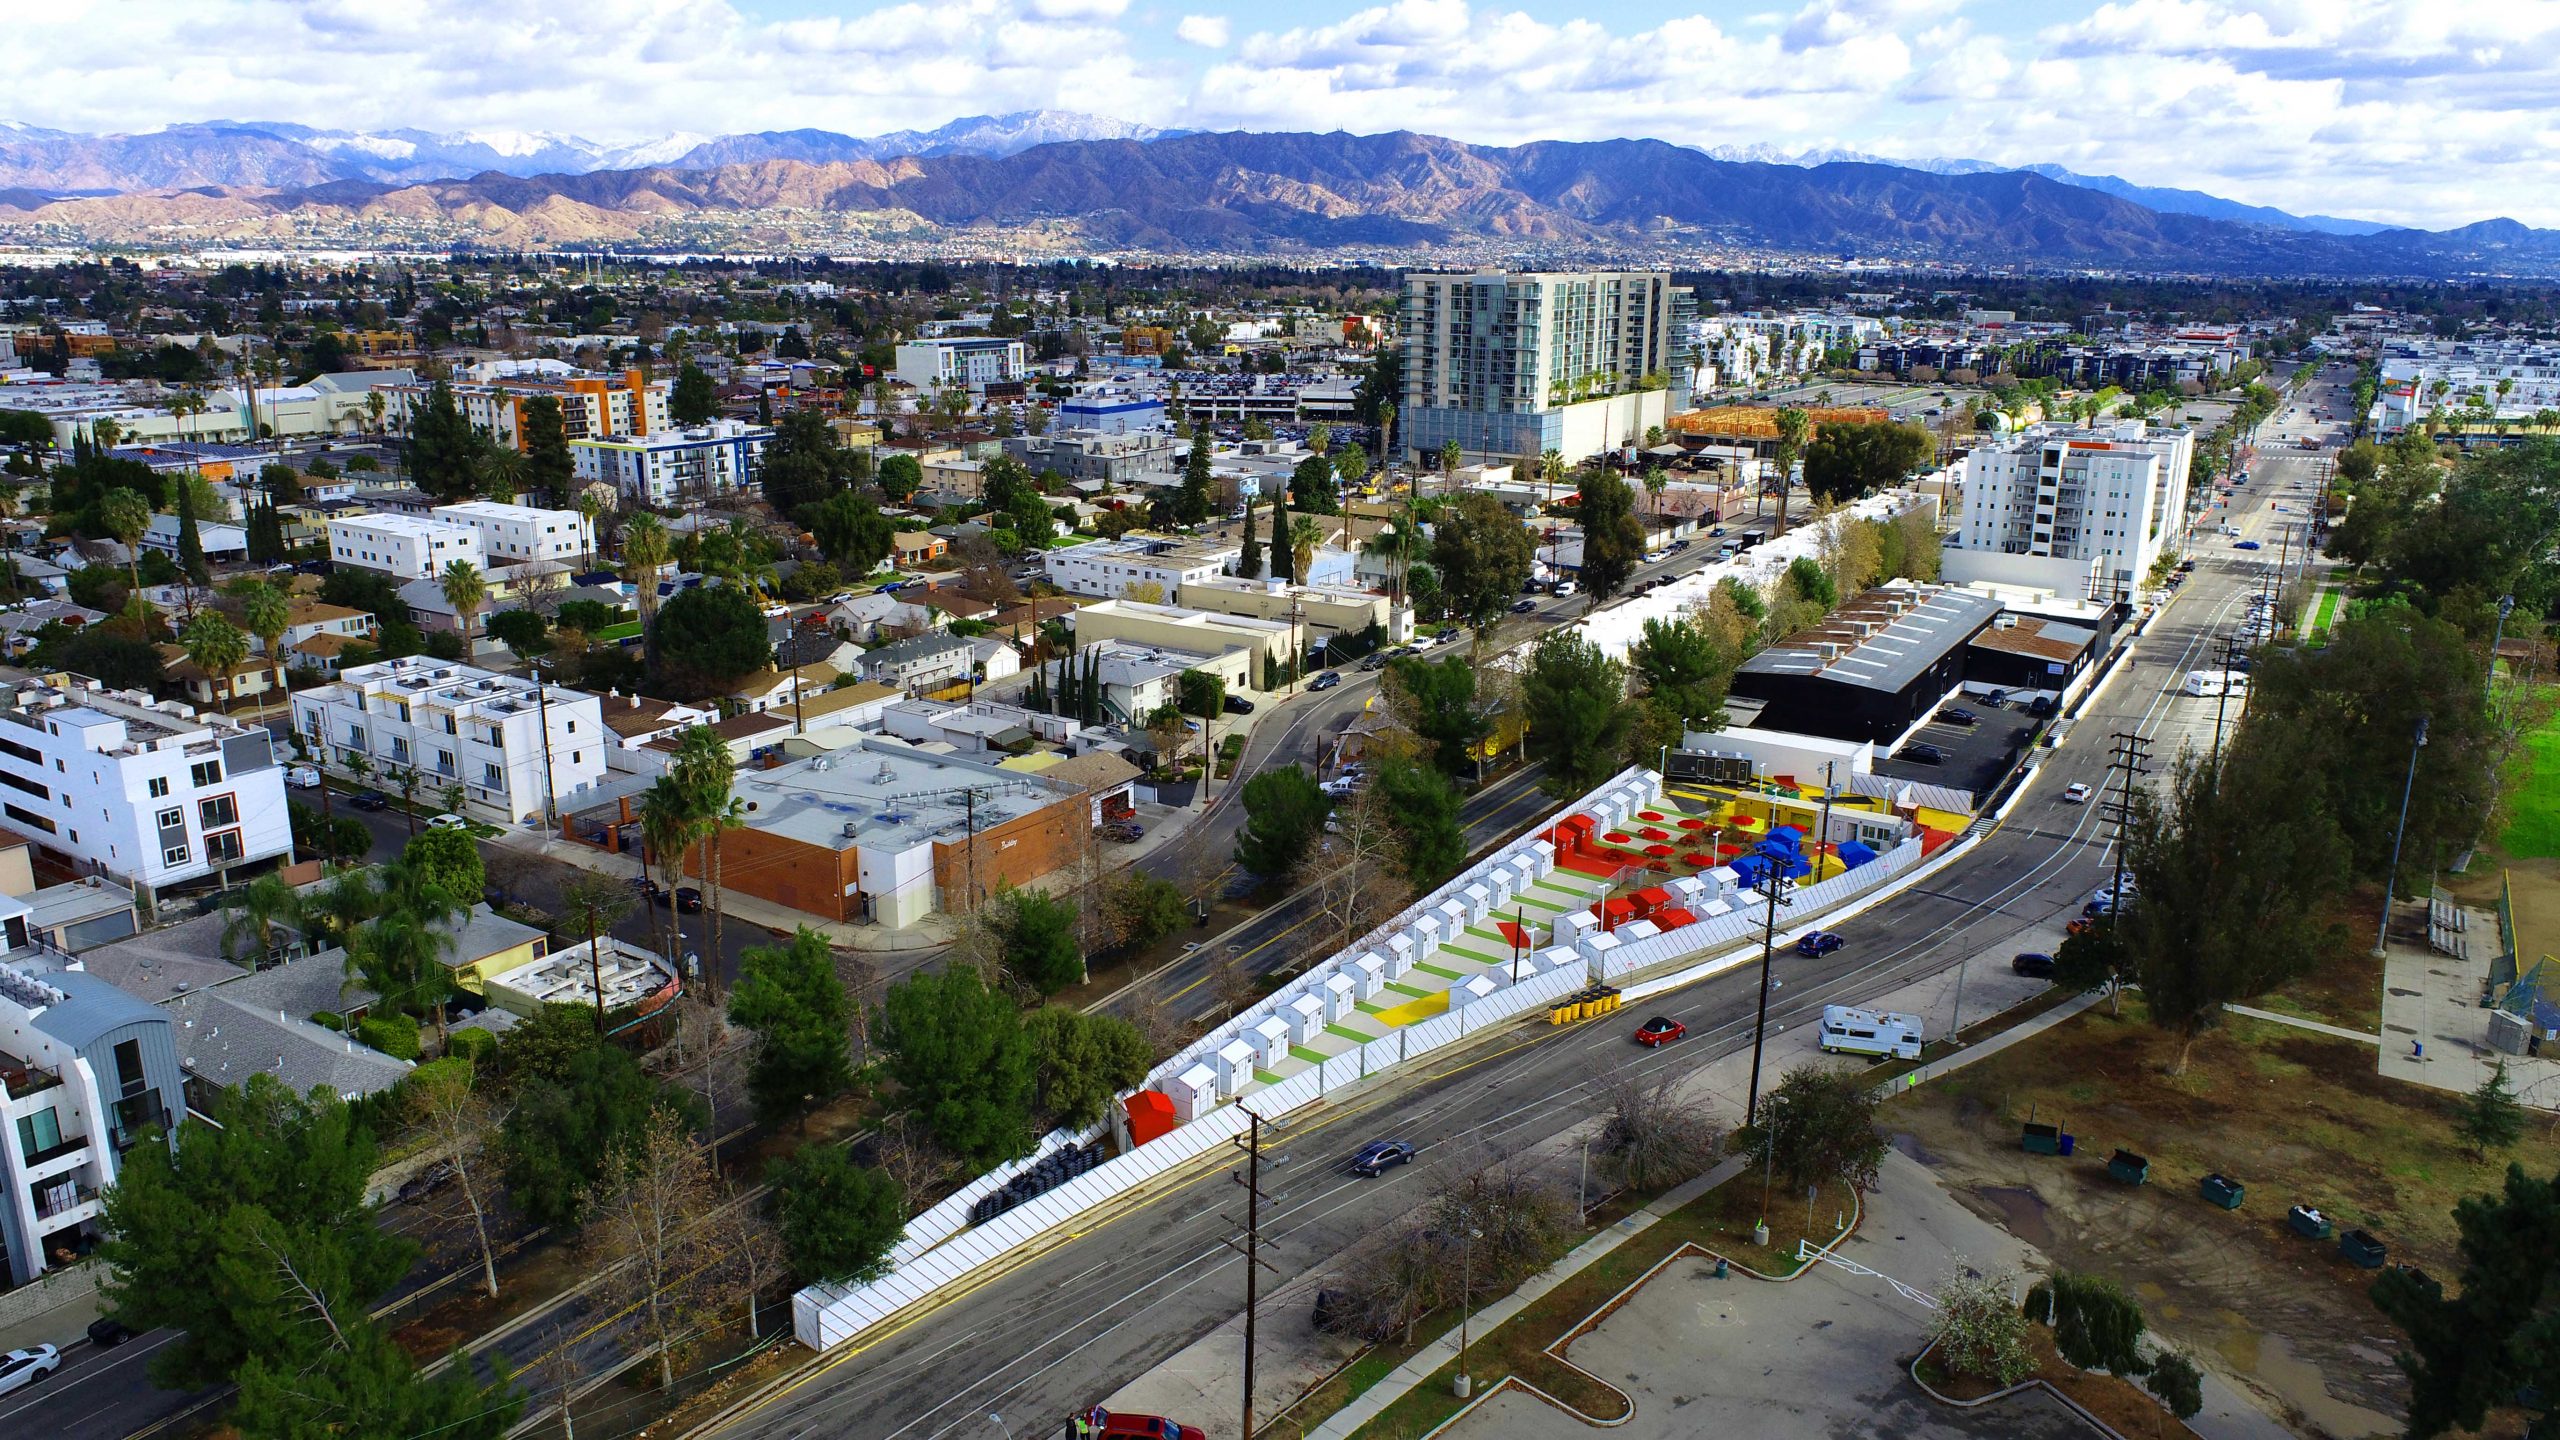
(1873, 667)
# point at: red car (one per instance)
(1125, 1425)
(1660, 1031)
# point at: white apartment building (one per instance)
(512, 533)
(667, 465)
(2420, 375)
(976, 361)
(147, 791)
(505, 743)
(411, 547)
(1109, 567)
(2076, 511)
(1519, 363)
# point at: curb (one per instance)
(2022, 1387)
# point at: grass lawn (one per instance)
(623, 631)
(2533, 796)
(2324, 613)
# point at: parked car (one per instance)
(2076, 793)
(1237, 705)
(1378, 1156)
(1129, 1425)
(370, 800)
(425, 1183)
(1374, 662)
(107, 1334)
(1818, 943)
(1958, 715)
(688, 900)
(1660, 1030)
(1921, 755)
(1997, 699)
(2042, 706)
(22, 1368)
(2032, 963)
(2080, 925)
(302, 777)
(650, 890)
(1325, 681)
(1523, 607)
(447, 822)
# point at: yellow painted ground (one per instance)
(1413, 1011)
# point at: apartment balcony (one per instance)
(22, 1080)
(66, 1205)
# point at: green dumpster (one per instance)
(2128, 1167)
(2041, 1139)
(2308, 1223)
(2362, 1249)
(2221, 1190)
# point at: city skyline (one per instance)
(2402, 113)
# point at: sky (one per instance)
(2422, 112)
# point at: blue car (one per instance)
(1819, 943)
(2245, 545)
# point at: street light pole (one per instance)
(2417, 742)
(1466, 1304)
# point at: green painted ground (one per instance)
(1312, 1057)
(1347, 1033)
(2533, 796)
(1547, 905)
(1405, 990)
(1443, 974)
(1476, 955)
(1370, 1007)
(1266, 1077)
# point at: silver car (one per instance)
(22, 1368)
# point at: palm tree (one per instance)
(644, 550)
(466, 592)
(666, 832)
(1395, 542)
(257, 911)
(335, 913)
(1793, 426)
(267, 615)
(216, 647)
(1304, 536)
(400, 953)
(406, 778)
(1655, 482)
(594, 904)
(705, 773)
(1387, 435)
(124, 514)
(374, 405)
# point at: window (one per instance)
(159, 787)
(490, 777)
(173, 819)
(173, 855)
(219, 811)
(223, 849)
(207, 772)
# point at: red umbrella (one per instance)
(1657, 851)
(1693, 823)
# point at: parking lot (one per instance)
(1977, 755)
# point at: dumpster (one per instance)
(2308, 1223)
(2128, 1167)
(2362, 1249)
(2221, 1190)
(2041, 1139)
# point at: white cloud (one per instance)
(2420, 111)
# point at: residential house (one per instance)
(922, 662)
(911, 548)
(223, 544)
(19, 627)
(513, 747)
(253, 677)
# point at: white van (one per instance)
(2210, 683)
(1565, 588)
(1847, 1030)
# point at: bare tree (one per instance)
(702, 1053)
(1163, 1031)
(1366, 883)
(654, 1240)
(465, 1126)
(905, 1152)
(1486, 1227)
(1650, 1138)
(858, 976)
(1234, 986)
(557, 1365)
(754, 1253)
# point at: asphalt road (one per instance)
(1072, 1324)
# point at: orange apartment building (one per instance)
(594, 405)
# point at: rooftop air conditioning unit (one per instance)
(852, 828)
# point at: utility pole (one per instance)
(1774, 885)
(550, 797)
(2132, 759)
(2222, 695)
(1822, 836)
(2391, 877)
(1251, 1179)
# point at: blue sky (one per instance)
(2432, 112)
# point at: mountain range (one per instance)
(1008, 183)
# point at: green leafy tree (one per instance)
(1284, 548)
(520, 630)
(1311, 486)
(548, 466)
(1684, 672)
(1038, 935)
(1823, 1125)
(705, 640)
(1422, 806)
(961, 1062)
(1082, 1062)
(1284, 813)
(2493, 530)
(1978, 1330)
(790, 996)
(445, 453)
(2097, 1324)
(216, 648)
(901, 476)
(1794, 426)
(1249, 565)
(1191, 498)
(839, 1219)
(358, 1381)
(1144, 908)
(1482, 556)
(201, 1237)
(1848, 461)
(2472, 1349)
(447, 860)
(851, 531)
(190, 539)
(1612, 536)
(2490, 1118)
(2176, 1382)
(124, 514)
(1442, 694)
(693, 401)
(539, 1048)
(562, 1133)
(1574, 697)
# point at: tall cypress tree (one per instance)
(191, 544)
(1284, 557)
(1251, 564)
(1191, 502)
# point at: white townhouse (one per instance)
(510, 533)
(407, 547)
(506, 742)
(150, 792)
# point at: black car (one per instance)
(370, 800)
(107, 1334)
(2041, 706)
(1378, 1155)
(1523, 607)
(1238, 705)
(1921, 755)
(688, 900)
(2032, 962)
(1958, 715)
